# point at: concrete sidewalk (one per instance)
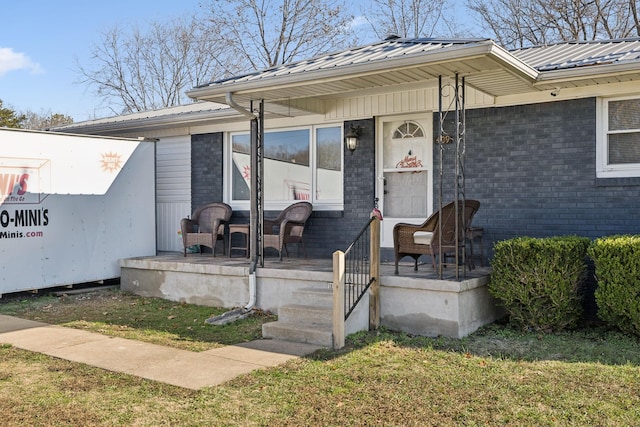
(154, 362)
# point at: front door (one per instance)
(405, 172)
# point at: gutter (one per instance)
(577, 75)
(119, 126)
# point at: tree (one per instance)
(405, 18)
(142, 70)
(264, 33)
(520, 23)
(44, 120)
(10, 118)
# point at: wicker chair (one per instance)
(288, 227)
(424, 239)
(206, 226)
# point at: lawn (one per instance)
(497, 376)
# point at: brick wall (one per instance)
(532, 168)
(326, 231)
(206, 169)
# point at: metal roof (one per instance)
(387, 63)
(189, 114)
(386, 50)
(562, 56)
(575, 64)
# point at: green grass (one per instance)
(154, 320)
(496, 376)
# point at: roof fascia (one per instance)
(188, 119)
(557, 77)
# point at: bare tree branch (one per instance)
(264, 33)
(140, 70)
(519, 23)
(405, 18)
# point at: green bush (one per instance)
(617, 269)
(537, 280)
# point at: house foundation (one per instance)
(416, 303)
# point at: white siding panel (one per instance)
(401, 102)
(173, 169)
(169, 216)
(173, 189)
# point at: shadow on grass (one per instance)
(588, 344)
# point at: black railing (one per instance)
(357, 270)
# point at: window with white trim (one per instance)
(618, 141)
(299, 164)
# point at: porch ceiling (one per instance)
(288, 89)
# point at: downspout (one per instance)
(253, 295)
(239, 108)
(252, 287)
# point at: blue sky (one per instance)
(40, 41)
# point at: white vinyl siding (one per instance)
(400, 102)
(173, 190)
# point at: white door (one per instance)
(405, 172)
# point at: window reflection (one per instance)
(288, 171)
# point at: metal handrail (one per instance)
(355, 272)
(357, 277)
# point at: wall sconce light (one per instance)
(351, 139)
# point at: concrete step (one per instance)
(313, 296)
(306, 315)
(317, 335)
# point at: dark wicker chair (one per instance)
(288, 227)
(427, 240)
(206, 226)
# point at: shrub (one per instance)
(617, 269)
(537, 280)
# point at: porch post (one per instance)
(338, 299)
(374, 272)
(454, 133)
(257, 196)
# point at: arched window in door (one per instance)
(408, 130)
(405, 148)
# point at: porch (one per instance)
(413, 302)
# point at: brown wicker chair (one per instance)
(288, 227)
(427, 240)
(205, 226)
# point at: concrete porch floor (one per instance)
(405, 269)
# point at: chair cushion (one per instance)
(422, 237)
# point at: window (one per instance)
(299, 164)
(618, 143)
